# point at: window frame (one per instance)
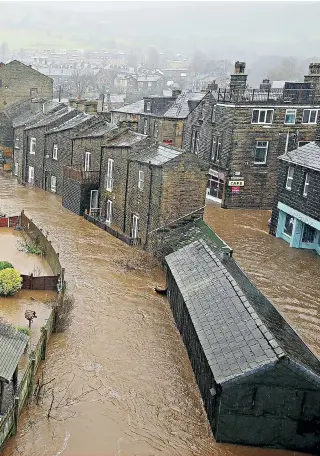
(293, 111)
(195, 140)
(289, 178)
(141, 180)
(137, 218)
(55, 152)
(213, 114)
(29, 181)
(148, 106)
(33, 144)
(155, 129)
(109, 176)
(310, 111)
(16, 168)
(305, 142)
(145, 126)
(306, 184)
(261, 147)
(259, 111)
(53, 188)
(109, 210)
(87, 161)
(16, 143)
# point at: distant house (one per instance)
(124, 83)
(260, 384)
(20, 82)
(296, 213)
(152, 83)
(149, 188)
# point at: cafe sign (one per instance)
(236, 183)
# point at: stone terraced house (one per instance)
(35, 144)
(259, 382)
(296, 213)
(20, 82)
(161, 117)
(240, 133)
(149, 188)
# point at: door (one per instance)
(47, 181)
(31, 175)
(94, 201)
(109, 211)
(135, 227)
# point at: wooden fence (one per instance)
(31, 282)
(104, 226)
(8, 221)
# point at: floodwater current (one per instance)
(120, 379)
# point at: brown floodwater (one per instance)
(121, 380)
(289, 277)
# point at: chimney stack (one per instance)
(238, 80)
(314, 76)
(212, 86)
(266, 84)
(176, 93)
(91, 106)
(36, 105)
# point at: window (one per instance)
(87, 161)
(16, 143)
(261, 152)
(195, 142)
(302, 143)
(213, 115)
(109, 211)
(16, 169)
(288, 225)
(308, 234)
(148, 105)
(33, 142)
(290, 117)
(141, 180)
(53, 185)
(109, 176)
(145, 127)
(149, 84)
(289, 178)
(55, 152)
(31, 175)
(262, 116)
(156, 130)
(216, 148)
(306, 184)
(310, 116)
(135, 226)
(34, 93)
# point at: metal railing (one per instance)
(80, 175)
(279, 96)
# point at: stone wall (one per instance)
(170, 131)
(83, 145)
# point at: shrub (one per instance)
(10, 282)
(24, 330)
(5, 265)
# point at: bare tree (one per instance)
(81, 81)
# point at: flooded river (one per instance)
(121, 379)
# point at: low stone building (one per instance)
(157, 186)
(20, 82)
(259, 382)
(296, 213)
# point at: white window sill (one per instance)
(32, 153)
(289, 189)
(289, 123)
(308, 123)
(260, 163)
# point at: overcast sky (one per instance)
(233, 30)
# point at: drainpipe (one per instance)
(43, 162)
(72, 140)
(125, 198)
(150, 204)
(287, 143)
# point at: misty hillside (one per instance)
(234, 30)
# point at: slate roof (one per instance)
(157, 155)
(307, 156)
(97, 130)
(235, 340)
(149, 78)
(72, 123)
(49, 118)
(180, 109)
(27, 116)
(126, 139)
(134, 108)
(12, 345)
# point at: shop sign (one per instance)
(236, 183)
(235, 190)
